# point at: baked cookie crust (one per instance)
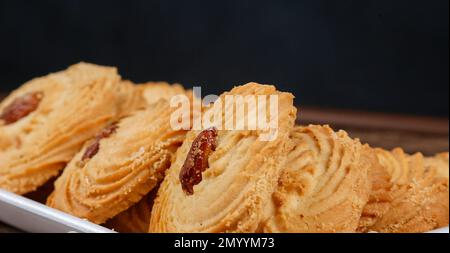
(39, 134)
(235, 191)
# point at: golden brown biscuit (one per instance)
(44, 123)
(380, 196)
(153, 91)
(418, 198)
(439, 163)
(122, 164)
(324, 186)
(136, 219)
(133, 98)
(222, 181)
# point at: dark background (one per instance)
(378, 55)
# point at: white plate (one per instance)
(34, 217)
(440, 231)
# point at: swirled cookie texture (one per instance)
(45, 122)
(132, 99)
(439, 164)
(153, 91)
(417, 199)
(324, 186)
(121, 165)
(222, 180)
(380, 195)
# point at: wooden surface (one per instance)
(428, 135)
(415, 134)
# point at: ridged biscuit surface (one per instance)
(418, 197)
(235, 190)
(380, 195)
(324, 186)
(44, 123)
(153, 91)
(113, 173)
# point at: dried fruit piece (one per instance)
(21, 107)
(197, 159)
(93, 149)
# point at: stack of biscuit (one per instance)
(108, 148)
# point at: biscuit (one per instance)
(121, 165)
(417, 200)
(222, 180)
(136, 219)
(153, 91)
(439, 163)
(324, 186)
(45, 122)
(133, 99)
(380, 196)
